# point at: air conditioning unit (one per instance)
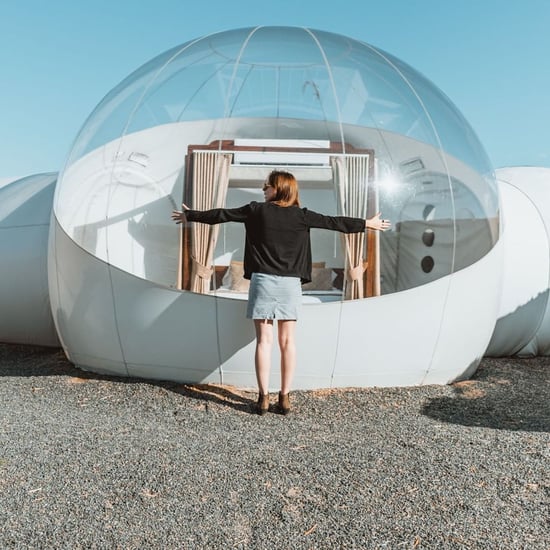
(281, 152)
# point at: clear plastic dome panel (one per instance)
(272, 81)
(194, 85)
(456, 134)
(110, 118)
(372, 92)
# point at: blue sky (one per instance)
(60, 57)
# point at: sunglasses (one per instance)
(265, 187)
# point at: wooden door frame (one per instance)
(371, 279)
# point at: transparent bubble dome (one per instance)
(205, 122)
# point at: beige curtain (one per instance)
(351, 177)
(210, 183)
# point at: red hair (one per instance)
(286, 188)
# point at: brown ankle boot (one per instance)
(284, 403)
(263, 404)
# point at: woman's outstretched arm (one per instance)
(213, 216)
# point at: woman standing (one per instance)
(277, 260)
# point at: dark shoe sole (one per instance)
(282, 409)
(262, 410)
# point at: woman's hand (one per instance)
(376, 223)
(179, 215)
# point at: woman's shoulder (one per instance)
(252, 205)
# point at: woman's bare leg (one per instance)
(287, 345)
(262, 358)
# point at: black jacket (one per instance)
(277, 238)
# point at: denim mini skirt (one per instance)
(274, 297)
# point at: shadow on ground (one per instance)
(505, 394)
(21, 360)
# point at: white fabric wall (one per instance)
(523, 326)
(25, 206)
(118, 209)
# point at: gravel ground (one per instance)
(88, 461)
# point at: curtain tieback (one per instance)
(201, 270)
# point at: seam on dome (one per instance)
(444, 161)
